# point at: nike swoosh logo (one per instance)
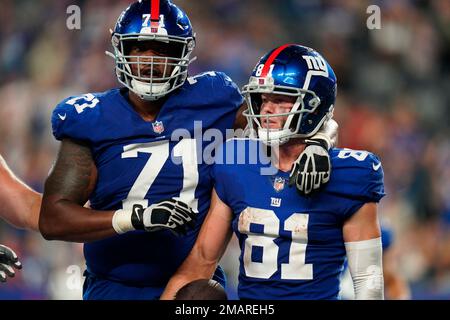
(62, 117)
(136, 211)
(376, 166)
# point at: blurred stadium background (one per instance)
(393, 99)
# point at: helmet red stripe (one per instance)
(271, 59)
(154, 13)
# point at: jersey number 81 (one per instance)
(297, 223)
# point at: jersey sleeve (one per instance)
(357, 175)
(357, 178)
(75, 118)
(371, 185)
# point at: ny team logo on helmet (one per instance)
(165, 23)
(297, 71)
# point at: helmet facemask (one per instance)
(154, 76)
(306, 103)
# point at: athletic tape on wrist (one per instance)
(121, 221)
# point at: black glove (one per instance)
(312, 168)
(8, 261)
(170, 214)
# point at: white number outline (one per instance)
(358, 155)
(260, 68)
(159, 153)
(146, 20)
(91, 102)
(193, 80)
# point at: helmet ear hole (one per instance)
(314, 102)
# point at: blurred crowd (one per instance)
(393, 98)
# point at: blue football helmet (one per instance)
(159, 25)
(296, 71)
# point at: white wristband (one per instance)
(121, 221)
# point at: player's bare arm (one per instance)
(362, 237)
(67, 189)
(363, 225)
(19, 204)
(209, 247)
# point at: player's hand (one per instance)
(312, 168)
(171, 214)
(8, 262)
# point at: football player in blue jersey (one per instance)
(292, 246)
(118, 151)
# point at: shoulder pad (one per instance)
(357, 174)
(76, 116)
(219, 87)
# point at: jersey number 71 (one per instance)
(159, 153)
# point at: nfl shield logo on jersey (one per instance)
(278, 184)
(158, 127)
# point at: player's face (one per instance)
(273, 104)
(146, 52)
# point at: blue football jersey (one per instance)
(138, 163)
(292, 246)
